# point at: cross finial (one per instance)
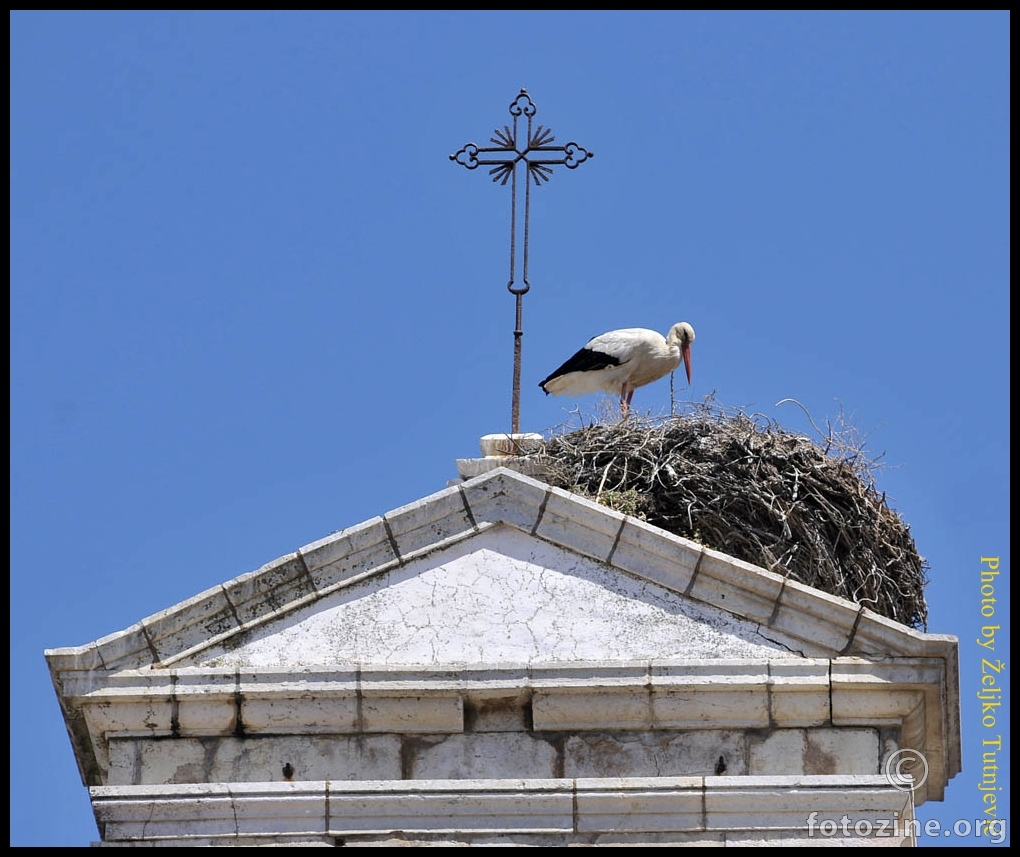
(538, 156)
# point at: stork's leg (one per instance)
(626, 394)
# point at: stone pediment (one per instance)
(500, 596)
(406, 588)
(503, 587)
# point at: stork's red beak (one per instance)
(685, 350)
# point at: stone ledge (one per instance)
(628, 808)
(667, 694)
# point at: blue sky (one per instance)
(253, 301)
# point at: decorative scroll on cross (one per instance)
(538, 157)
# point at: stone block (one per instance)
(495, 499)
(799, 692)
(580, 525)
(497, 755)
(427, 713)
(191, 623)
(348, 555)
(276, 585)
(328, 713)
(657, 805)
(448, 806)
(815, 616)
(654, 754)
(646, 551)
(425, 523)
(553, 711)
(127, 649)
(136, 761)
(842, 751)
(738, 587)
(777, 753)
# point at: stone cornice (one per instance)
(622, 808)
(752, 694)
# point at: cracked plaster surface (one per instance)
(499, 597)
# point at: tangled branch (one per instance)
(742, 485)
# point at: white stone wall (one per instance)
(494, 755)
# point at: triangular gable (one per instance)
(500, 596)
(771, 611)
(504, 584)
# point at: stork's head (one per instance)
(682, 334)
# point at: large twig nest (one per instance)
(742, 485)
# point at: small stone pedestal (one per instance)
(520, 452)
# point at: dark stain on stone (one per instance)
(502, 714)
(817, 761)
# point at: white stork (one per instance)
(620, 361)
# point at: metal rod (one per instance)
(505, 157)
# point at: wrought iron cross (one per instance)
(538, 157)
